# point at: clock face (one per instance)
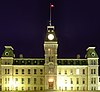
(50, 36)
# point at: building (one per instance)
(49, 73)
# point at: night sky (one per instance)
(23, 25)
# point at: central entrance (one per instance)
(50, 83)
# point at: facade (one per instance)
(49, 73)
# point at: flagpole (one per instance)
(50, 15)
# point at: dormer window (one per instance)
(6, 53)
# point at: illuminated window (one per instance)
(29, 80)
(22, 80)
(22, 71)
(41, 71)
(34, 71)
(77, 71)
(28, 71)
(34, 80)
(16, 71)
(83, 71)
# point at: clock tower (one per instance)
(50, 48)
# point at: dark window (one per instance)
(28, 71)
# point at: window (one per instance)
(0, 88)
(71, 71)
(77, 88)
(41, 81)
(34, 71)
(29, 80)
(91, 71)
(16, 79)
(84, 88)
(83, 71)
(59, 71)
(59, 88)
(71, 81)
(77, 71)
(94, 80)
(5, 71)
(22, 88)
(65, 88)
(8, 80)
(28, 71)
(16, 71)
(65, 71)
(77, 81)
(34, 80)
(71, 88)
(5, 80)
(28, 88)
(91, 80)
(34, 88)
(22, 80)
(8, 71)
(94, 71)
(83, 80)
(16, 88)
(22, 71)
(41, 88)
(5, 88)
(41, 71)
(65, 81)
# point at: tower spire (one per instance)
(51, 5)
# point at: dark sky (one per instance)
(23, 26)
